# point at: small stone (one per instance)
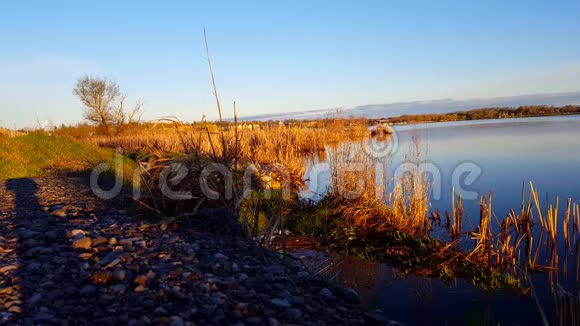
(102, 277)
(30, 243)
(50, 235)
(34, 299)
(82, 243)
(9, 304)
(145, 320)
(177, 321)
(142, 280)
(75, 232)
(255, 320)
(43, 317)
(350, 295)
(126, 242)
(58, 213)
(139, 288)
(375, 317)
(33, 267)
(273, 322)
(6, 290)
(84, 265)
(280, 303)
(78, 236)
(88, 291)
(114, 263)
(295, 299)
(325, 293)
(150, 275)
(219, 255)
(113, 241)
(120, 288)
(99, 241)
(85, 255)
(119, 275)
(7, 268)
(15, 310)
(294, 314)
(160, 311)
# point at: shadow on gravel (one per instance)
(26, 209)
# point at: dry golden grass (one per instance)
(410, 198)
(360, 195)
(285, 145)
(11, 133)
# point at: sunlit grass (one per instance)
(38, 154)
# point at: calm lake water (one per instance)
(504, 155)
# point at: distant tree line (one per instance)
(489, 113)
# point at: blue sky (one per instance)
(274, 56)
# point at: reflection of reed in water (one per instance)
(322, 156)
(368, 276)
(383, 137)
(354, 273)
(567, 306)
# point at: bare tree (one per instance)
(104, 103)
(123, 117)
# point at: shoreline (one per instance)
(109, 268)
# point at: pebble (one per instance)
(7, 268)
(88, 291)
(82, 243)
(119, 275)
(99, 241)
(219, 255)
(75, 232)
(326, 293)
(280, 303)
(33, 267)
(119, 288)
(34, 299)
(350, 295)
(294, 314)
(114, 263)
(375, 317)
(58, 213)
(85, 255)
(273, 322)
(189, 276)
(15, 310)
(43, 317)
(177, 321)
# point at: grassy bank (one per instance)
(37, 154)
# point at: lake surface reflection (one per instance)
(504, 154)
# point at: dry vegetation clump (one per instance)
(278, 145)
(359, 193)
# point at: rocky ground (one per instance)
(67, 258)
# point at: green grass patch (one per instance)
(38, 154)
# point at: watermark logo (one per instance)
(322, 177)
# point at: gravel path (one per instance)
(67, 258)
